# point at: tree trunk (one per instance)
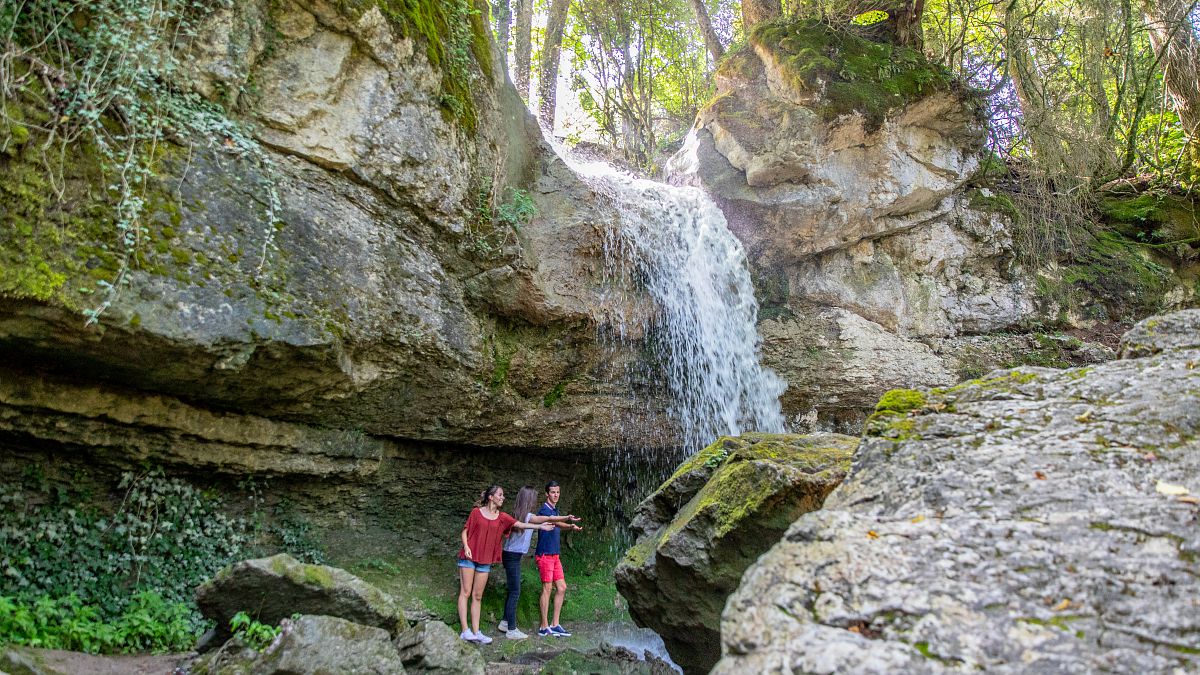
(711, 41)
(755, 12)
(548, 72)
(503, 12)
(1173, 36)
(1027, 82)
(522, 48)
(906, 16)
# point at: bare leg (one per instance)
(477, 596)
(544, 603)
(466, 579)
(561, 587)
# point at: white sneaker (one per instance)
(515, 634)
(503, 627)
(467, 635)
(482, 639)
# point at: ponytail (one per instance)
(483, 496)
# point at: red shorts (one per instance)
(550, 567)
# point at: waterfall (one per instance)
(673, 243)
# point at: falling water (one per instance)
(673, 243)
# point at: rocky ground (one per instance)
(1034, 519)
(335, 622)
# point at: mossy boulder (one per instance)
(310, 645)
(271, 589)
(710, 520)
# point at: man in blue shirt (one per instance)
(549, 565)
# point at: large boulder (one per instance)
(708, 522)
(272, 589)
(1032, 520)
(433, 647)
(310, 645)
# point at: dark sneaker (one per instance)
(546, 632)
(559, 631)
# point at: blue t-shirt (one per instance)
(547, 541)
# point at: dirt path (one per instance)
(22, 660)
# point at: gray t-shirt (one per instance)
(518, 541)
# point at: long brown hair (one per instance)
(524, 502)
(523, 506)
(483, 497)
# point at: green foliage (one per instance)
(254, 634)
(148, 623)
(518, 210)
(641, 71)
(92, 77)
(496, 225)
(132, 568)
(854, 73)
(553, 396)
(1109, 277)
(869, 18)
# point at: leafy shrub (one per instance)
(148, 623)
(256, 635)
(119, 581)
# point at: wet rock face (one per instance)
(1034, 519)
(710, 520)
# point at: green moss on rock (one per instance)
(453, 32)
(849, 72)
(900, 400)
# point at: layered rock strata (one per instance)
(1032, 520)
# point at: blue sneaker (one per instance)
(545, 632)
(559, 631)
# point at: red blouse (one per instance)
(486, 536)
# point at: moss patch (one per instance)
(454, 34)
(1110, 267)
(849, 72)
(900, 400)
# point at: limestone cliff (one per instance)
(362, 274)
(848, 169)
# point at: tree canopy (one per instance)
(1079, 93)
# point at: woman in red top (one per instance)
(482, 536)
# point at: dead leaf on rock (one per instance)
(1189, 499)
(1084, 417)
(1065, 604)
(918, 519)
(1170, 489)
(872, 534)
(1039, 475)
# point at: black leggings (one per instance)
(512, 576)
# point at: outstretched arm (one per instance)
(554, 519)
(533, 525)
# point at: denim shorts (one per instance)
(470, 564)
